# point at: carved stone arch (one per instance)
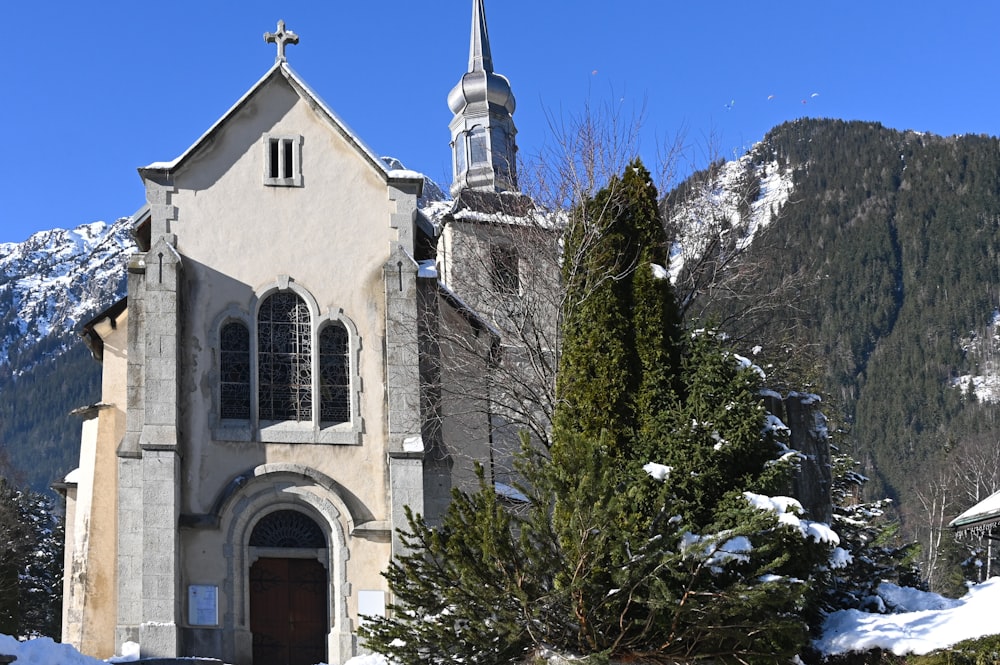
(273, 489)
(355, 513)
(285, 283)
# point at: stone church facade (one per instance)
(272, 396)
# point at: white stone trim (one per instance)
(282, 169)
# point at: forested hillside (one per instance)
(881, 282)
(39, 436)
(49, 285)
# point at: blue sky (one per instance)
(94, 90)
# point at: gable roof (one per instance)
(282, 69)
(983, 516)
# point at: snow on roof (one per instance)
(405, 174)
(983, 515)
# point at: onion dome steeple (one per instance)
(482, 131)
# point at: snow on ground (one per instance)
(43, 651)
(925, 622)
(932, 622)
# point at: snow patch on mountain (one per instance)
(982, 351)
(737, 200)
(55, 280)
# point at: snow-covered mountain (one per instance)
(54, 281)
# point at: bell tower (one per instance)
(482, 130)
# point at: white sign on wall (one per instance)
(203, 605)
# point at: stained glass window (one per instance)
(284, 341)
(334, 379)
(234, 346)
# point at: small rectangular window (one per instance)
(504, 271)
(282, 161)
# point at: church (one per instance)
(273, 392)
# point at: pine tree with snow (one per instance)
(692, 556)
(31, 563)
(15, 539)
(42, 567)
(650, 532)
(870, 549)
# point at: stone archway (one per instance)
(248, 500)
(288, 590)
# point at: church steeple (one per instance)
(482, 131)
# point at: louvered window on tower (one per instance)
(504, 270)
(282, 161)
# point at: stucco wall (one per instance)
(239, 240)
(238, 237)
(90, 589)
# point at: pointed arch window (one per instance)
(334, 374)
(234, 347)
(284, 340)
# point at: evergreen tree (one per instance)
(870, 552)
(31, 564)
(40, 591)
(649, 532)
(14, 541)
(621, 328)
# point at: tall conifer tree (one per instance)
(610, 555)
(621, 331)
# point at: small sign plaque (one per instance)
(203, 605)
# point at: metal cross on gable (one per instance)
(281, 37)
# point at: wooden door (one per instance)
(288, 618)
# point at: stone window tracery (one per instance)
(284, 340)
(287, 528)
(286, 372)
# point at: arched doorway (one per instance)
(289, 590)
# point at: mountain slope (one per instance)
(880, 273)
(49, 285)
